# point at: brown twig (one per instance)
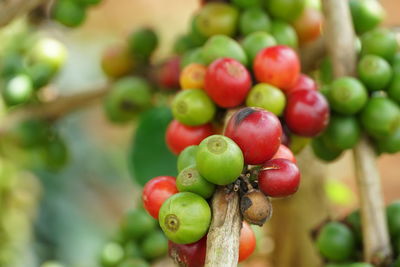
(223, 236)
(11, 9)
(54, 109)
(340, 38)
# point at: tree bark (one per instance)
(295, 218)
(11, 9)
(341, 46)
(223, 236)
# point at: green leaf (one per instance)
(149, 156)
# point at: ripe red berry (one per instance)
(257, 132)
(247, 242)
(304, 82)
(307, 113)
(277, 65)
(284, 153)
(180, 136)
(189, 255)
(227, 82)
(168, 75)
(279, 178)
(156, 191)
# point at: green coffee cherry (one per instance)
(222, 46)
(112, 254)
(323, 151)
(255, 42)
(343, 132)
(187, 157)
(254, 19)
(154, 246)
(284, 33)
(143, 43)
(380, 42)
(137, 224)
(366, 14)
(18, 90)
(190, 180)
(374, 72)
(267, 97)
(69, 13)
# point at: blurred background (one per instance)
(75, 211)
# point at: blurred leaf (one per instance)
(149, 155)
(339, 193)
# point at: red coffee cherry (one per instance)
(304, 82)
(189, 255)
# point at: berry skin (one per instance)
(192, 76)
(154, 245)
(117, 61)
(257, 132)
(380, 117)
(168, 75)
(220, 46)
(137, 224)
(323, 150)
(309, 25)
(284, 153)
(217, 18)
(267, 97)
(180, 136)
(343, 132)
(390, 144)
(254, 19)
(304, 82)
(193, 107)
(219, 160)
(142, 43)
(255, 42)
(247, 242)
(279, 178)
(277, 65)
(156, 191)
(189, 255)
(187, 157)
(336, 242)
(190, 180)
(307, 113)
(287, 10)
(69, 13)
(227, 82)
(284, 33)
(347, 95)
(185, 218)
(366, 14)
(374, 72)
(380, 42)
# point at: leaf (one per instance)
(149, 156)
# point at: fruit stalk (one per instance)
(12, 9)
(223, 235)
(341, 47)
(54, 109)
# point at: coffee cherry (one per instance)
(257, 132)
(380, 42)
(219, 160)
(343, 132)
(374, 72)
(247, 242)
(56, 154)
(217, 18)
(284, 33)
(18, 90)
(220, 46)
(255, 207)
(366, 15)
(254, 19)
(127, 97)
(380, 117)
(304, 82)
(279, 178)
(227, 82)
(154, 245)
(307, 113)
(189, 255)
(194, 55)
(277, 65)
(391, 143)
(137, 224)
(112, 254)
(287, 10)
(180, 136)
(168, 74)
(190, 180)
(298, 143)
(284, 153)
(156, 191)
(393, 218)
(193, 107)
(336, 242)
(255, 42)
(309, 25)
(192, 76)
(323, 150)
(142, 43)
(187, 157)
(49, 52)
(247, 3)
(117, 61)
(347, 95)
(354, 221)
(393, 89)
(267, 97)
(31, 133)
(185, 218)
(68, 13)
